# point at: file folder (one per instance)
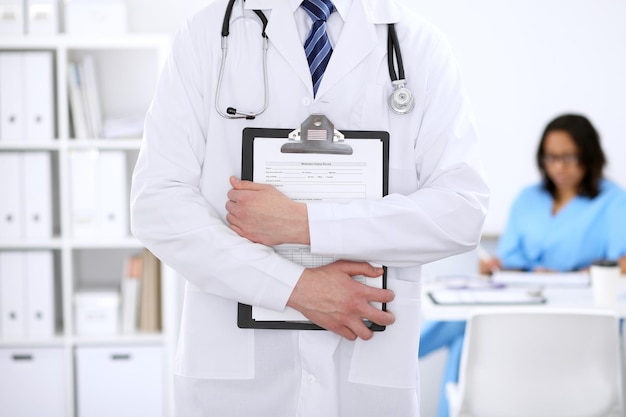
(91, 95)
(39, 96)
(12, 295)
(37, 200)
(83, 193)
(99, 193)
(11, 213)
(77, 105)
(113, 194)
(39, 279)
(11, 97)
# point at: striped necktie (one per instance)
(317, 45)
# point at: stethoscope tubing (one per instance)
(401, 100)
(232, 113)
(393, 49)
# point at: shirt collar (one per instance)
(341, 6)
(379, 11)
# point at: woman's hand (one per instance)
(489, 266)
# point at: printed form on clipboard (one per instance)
(353, 168)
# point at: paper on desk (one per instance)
(485, 296)
(547, 279)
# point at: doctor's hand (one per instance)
(332, 299)
(263, 214)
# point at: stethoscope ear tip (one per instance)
(231, 111)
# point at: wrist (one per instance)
(302, 234)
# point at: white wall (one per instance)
(156, 15)
(524, 62)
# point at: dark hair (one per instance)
(591, 157)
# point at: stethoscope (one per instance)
(401, 100)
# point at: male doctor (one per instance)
(191, 210)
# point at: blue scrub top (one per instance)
(584, 230)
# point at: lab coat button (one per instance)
(311, 379)
(306, 101)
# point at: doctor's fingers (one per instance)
(260, 202)
(383, 318)
(238, 184)
(353, 326)
(234, 196)
(357, 311)
(353, 268)
(232, 208)
(360, 330)
(364, 310)
(379, 295)
(350, 330)
(233, 219)
(239, 214)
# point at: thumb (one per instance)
(239, 184)
(234, 180)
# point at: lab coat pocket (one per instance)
(389, 359)
(211, 345)
(371, 111)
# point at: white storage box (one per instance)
(96, 17)
(42, 17)
(32, 382)
(12, 21)
(120, 381)
(97, 312)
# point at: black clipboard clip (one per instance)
(316, 135)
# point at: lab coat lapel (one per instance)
(358, 39)
(283, 34)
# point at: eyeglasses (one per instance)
(567, 159)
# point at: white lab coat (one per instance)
(435, 208)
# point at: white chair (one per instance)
(539, 362)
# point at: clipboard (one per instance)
(316, 139)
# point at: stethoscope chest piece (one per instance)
(401, 100)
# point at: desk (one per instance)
(556, 297)
(579, 297)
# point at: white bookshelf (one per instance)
(128, 67)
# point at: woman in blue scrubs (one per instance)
(572, 217)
